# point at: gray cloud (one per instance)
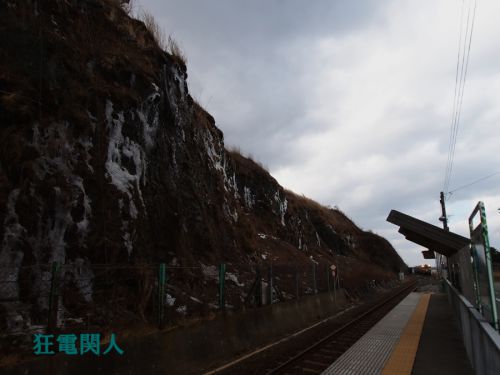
(350, 102)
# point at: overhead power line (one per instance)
(455, 95)
(462, 67)
(459, 110)
(473, 182)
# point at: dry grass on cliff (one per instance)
(127, 6)
(167, 44)
(158, 34)
(334, 216)
(176, 51)
(246, 160)
(304, 201)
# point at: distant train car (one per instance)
(424, 269)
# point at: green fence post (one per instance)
(270, 283)
(489, 268)
(222, 278)
(161, 294)
(296, 282)
(53, 296)
(314, 279)
(337, 279)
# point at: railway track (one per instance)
(319, 355)
(315, 348)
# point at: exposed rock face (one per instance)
(106, 158)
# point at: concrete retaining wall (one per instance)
(207, 344)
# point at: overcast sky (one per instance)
(350, 102)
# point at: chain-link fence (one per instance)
(86, 296)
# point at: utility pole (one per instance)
(443, 217)
(441, 261)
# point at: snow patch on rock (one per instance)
(149, 115)
(120, 146)
(217, 156)
(248, 197)
(232, 215)
(282, 206)
(266, 236)
(232, 277)
(182, 310)
(233, 186)
(210, 272)
(83, 225)
(169, 300)
(125, 180)
(318, 239)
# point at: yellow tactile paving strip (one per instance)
(401, 360)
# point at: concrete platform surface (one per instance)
(418, 337)
(441, 349)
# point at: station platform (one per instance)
(418, 336)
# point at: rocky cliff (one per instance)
(106, 159)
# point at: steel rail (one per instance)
(342, 329)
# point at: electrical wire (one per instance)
(458, 97)
(459, 111)
(454, 96)
(460, 70)
(473, 182)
